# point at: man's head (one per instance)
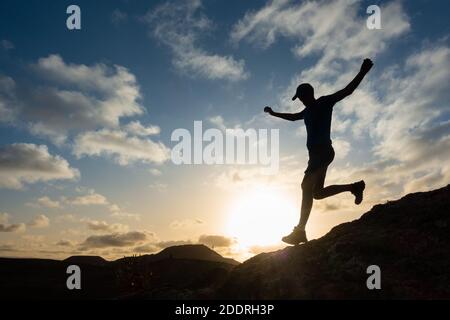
(305, 92)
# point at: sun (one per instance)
(261, 216)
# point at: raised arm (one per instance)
(348, 90)
(285, 116)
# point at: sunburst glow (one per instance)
(261, 217)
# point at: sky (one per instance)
(86, 118)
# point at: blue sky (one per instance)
(140, 69)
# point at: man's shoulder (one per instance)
(326, 100)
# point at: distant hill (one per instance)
(178, 272)
(408, 239)
(92, 260)
(189, 251)
(194, 251)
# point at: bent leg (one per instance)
(332, 190)
(321, 192)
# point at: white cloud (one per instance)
(72, 98)
(342, 147)
(65, 218)
(413, 130)
(115, 82)
(186, 223)
(136, 128)
(179, 24)
(6, 227)
(332, 28)
(155, 172)
(23, 163)
(417, 98)
(96, 199)
(48, 203)
(40, 221)
(79, 99)
(219, 122)
(121, 214)
(76, 98)
(428, 180)
(158, 186)
(122, 147)
(4, 217)
(211, 66)
(104, 226)
(92, 198)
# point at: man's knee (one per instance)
(308, 190)
(318, 194)
(307, 184)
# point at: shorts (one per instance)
(319, 157)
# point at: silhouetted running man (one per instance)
(317, 116)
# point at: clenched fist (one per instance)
(366, 65)
(268, 110)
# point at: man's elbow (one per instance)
(347, 92)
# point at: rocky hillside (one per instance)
(408, 239)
